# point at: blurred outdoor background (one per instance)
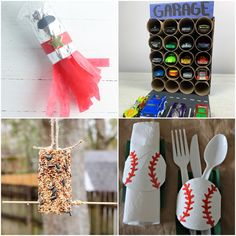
(94, 176)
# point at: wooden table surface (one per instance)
(26, 70)
(222, 97)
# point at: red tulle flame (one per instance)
(75, 78)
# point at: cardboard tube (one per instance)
(168, 70)
(155, 69)
(184, 39)
(170, 26)
(156, 57)
(186, 87)
(203, 21)
(170, 39)
(155, 42)
(188, 54)
(171, 86)
(154, 26)
(184, 24)
(203, 40)
(158, 84)
(201, 56)
(169, 53)
(186, 69)
(201, 78)
(202, 88)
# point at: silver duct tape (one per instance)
(61, 53)
(46, 26)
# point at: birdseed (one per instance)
(54, 181)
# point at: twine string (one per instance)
(74, 203)
(53, 144)
(57, 133)
(54, 123)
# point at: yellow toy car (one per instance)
(131, 112)
(136, 108)
(173, 73)
(187, 60)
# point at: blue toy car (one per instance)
(177, 110)
(158, 73)
(154, 107)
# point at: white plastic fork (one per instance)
(181, 153)
(181, 156)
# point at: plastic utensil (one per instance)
(215, 153)
(195, 162)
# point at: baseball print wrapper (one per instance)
(198, 204)
(54, 181)
(144, 173)
(74, 77)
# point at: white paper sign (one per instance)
(198, 204)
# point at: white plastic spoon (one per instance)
(214, 154)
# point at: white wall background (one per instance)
(26, 70)
(133, 37)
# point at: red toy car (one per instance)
(202, 74)
(202, 60)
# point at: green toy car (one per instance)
(170, 59)
(171, 45)
(201, 111)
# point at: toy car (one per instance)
(202, 60)
(201, 110)
(202, 74)
(203, 45)
(155, 29)
(177, 110)
(156, 44)
(154, 107)
(156, 60)
(170, 29)
(186, 45)
(158, 73)
(173, 72)
(186, 60)
(204, 28)
(187, 73)
(171, 45)
(131, 112)
(186, 29)
(170, 59)
(136, 108)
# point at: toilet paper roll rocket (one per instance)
(144, 173)
(74, 77)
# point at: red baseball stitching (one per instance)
(206, 213)
(152, 168)
(134, 163)
(189, 202)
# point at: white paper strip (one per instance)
(61, 53)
